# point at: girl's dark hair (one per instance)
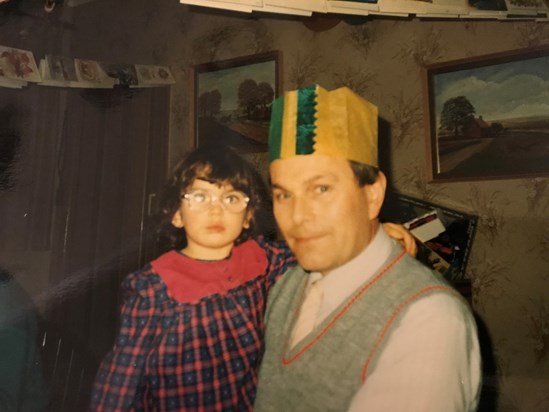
(217, 165)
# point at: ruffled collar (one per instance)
(189, 280)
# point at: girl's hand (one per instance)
(399, 233)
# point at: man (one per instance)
(359, 325)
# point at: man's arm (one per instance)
(430, 363)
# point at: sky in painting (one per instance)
(502, 91)
(228, 80)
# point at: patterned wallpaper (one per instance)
(381, 60)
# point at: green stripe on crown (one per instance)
(275, 129)
(306, 110)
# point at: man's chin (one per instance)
(311, 264)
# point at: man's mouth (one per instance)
(305, 239)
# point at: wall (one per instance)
(381, 60)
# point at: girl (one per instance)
(191, 329)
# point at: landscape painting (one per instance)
(232, 102)
(488, 117)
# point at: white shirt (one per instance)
(431, 361)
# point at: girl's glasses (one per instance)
(200, 200)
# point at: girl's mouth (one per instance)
(216, 228)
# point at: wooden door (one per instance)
(111, 162)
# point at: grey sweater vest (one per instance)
(325, 370)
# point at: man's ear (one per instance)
(177, 219)
(376, 195)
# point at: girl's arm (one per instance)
(402, 235)
(121, 371)
(279, 257)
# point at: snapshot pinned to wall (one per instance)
(232, 99)
(444, 236)
(487, 117)
(17, 67)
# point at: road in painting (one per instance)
(234, 106)
(494, 120)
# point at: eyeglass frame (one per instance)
(214, 198)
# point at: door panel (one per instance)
(88, 162)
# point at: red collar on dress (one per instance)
(189, 280)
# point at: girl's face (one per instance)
(210, 228)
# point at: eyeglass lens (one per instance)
(234, 201)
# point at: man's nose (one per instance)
(301, 211)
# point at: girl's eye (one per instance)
(199, 197)
(231, 199)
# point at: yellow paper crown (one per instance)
(312, 120)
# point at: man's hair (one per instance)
(364, 174)
(217, 165)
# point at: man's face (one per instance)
(325, 216)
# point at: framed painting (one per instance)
(232, 99)
(487, 117)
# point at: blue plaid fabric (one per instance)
(173, 356)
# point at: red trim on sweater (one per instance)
(395, 314)
(287, 361)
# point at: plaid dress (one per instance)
(191, 333)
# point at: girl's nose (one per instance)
(215, 204)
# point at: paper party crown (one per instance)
(312, 120)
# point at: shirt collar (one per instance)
(341, 282)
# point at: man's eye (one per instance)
(322, 189)
(281, 196)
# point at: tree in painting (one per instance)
(209, 103)
(456, 113)
(255, 98)
(266, 96)
(248, 96)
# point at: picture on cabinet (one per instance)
(444, 235)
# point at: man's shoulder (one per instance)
(414, 269)
(431, 297)
(442, 306)
(405, 281)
